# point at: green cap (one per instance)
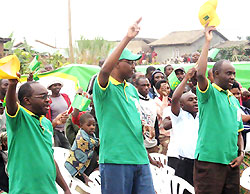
(127, 54)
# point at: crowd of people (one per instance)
(201, 125)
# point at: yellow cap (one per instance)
(208, 13)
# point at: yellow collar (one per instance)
(220, 89)
(32, 114)
(115, 82)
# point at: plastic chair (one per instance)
(76, 186)
(96, 184)
(161, 176)
(179, 185)
(163, 159)
(245, 179)
(160, 157)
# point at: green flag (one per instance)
(4, 101)
(213, 53)
(173, 80)
(35, 77)
(35, 64)
(81, 103)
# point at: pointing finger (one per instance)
(139, 20)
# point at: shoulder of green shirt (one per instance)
(208, 85)
(13, 116)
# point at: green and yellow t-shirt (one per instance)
(219, 124)
(117, 111)
(31, 165)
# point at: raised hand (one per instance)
(209, 32)
(134, 29)
(60, 119)
(191, 72)
(15, 81)
(30, 78)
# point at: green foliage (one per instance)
(9, 45)
(85, 51)
(57, 60)
(91, 51)
(235, 53)
(248, 38)
(25, 54)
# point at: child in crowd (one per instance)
(163, 103)
(83, 148)
(184, 134)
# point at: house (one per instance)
(42, 47)
(139, 44)
(180, 43)
(2, 41)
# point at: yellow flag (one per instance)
(9, 66)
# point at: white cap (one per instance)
(56, 81)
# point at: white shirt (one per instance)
(148, 110)
(183, 135)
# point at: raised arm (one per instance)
(202, 62)
(175, 105)
(112, 60)
(11, 100)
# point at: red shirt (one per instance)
(76, 120)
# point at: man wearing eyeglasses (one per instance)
(31, 165)
(124, 164)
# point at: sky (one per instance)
(47, 20)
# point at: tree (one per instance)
(91, 51)
(248, 38)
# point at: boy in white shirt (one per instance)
(185, 123)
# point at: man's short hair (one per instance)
(149, 69)
(138, 80)
(166, 67)
(25, 91)
(158, 84)
(84, 118)
(218, 64)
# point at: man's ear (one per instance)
(181, 104)
(216, 73)
(26, 100)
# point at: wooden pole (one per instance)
(71, 53)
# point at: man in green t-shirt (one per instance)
(124, 164)
(31, 166)
(219, 149)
